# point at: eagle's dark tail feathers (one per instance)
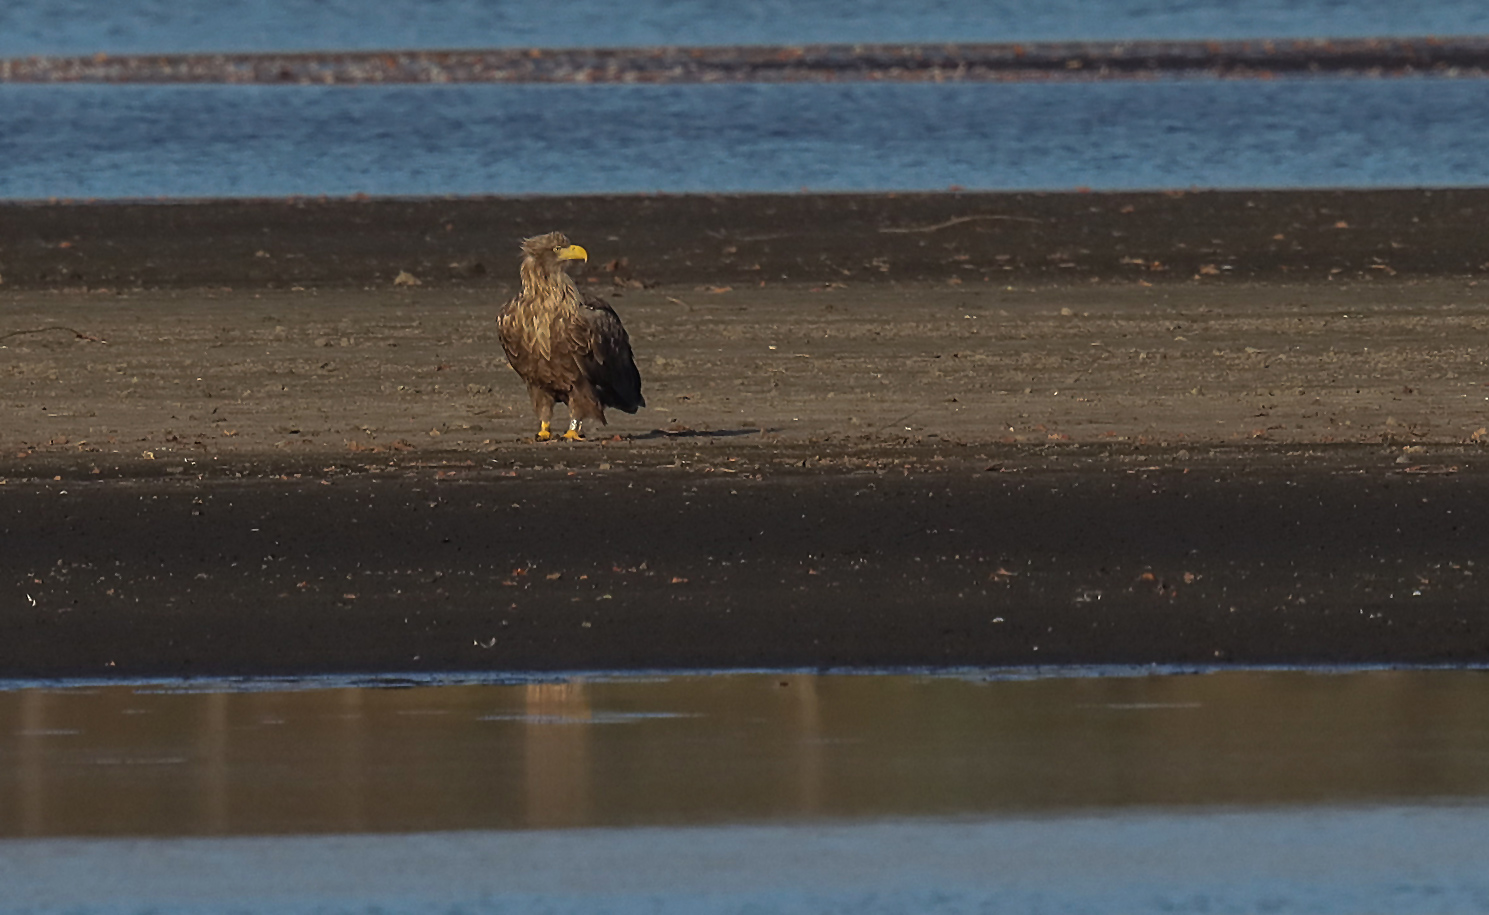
(620, 385)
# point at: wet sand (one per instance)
(883, 430)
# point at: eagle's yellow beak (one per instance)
(573, 253)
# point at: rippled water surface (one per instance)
(151, 26)
(1275, 792)
(202, 141)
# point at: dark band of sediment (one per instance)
(1258, 59)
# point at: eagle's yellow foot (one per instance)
(543, 433)
(573, 435)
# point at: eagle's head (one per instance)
(551, 250)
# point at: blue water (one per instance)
(203, 141)
(1318, 861)
(145, 26)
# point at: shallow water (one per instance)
(209, 141)
(705, 750)
(1239, 791)
(161, 26)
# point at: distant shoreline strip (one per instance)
(1033, 62)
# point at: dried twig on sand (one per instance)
(41, 330)
(892, 230)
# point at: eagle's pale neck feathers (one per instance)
(545, 281)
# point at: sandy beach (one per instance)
(883, 430)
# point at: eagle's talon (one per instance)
(545, 435)
(573, 436)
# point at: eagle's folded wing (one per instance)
(605, 357)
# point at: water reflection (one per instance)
(557, 760)
(720, 749)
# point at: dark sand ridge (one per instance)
(1073, 60)
(916, 429)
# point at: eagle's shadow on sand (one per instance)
(696, 433)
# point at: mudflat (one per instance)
(197, 379)
(889, 430)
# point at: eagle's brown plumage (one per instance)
(568, 347)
